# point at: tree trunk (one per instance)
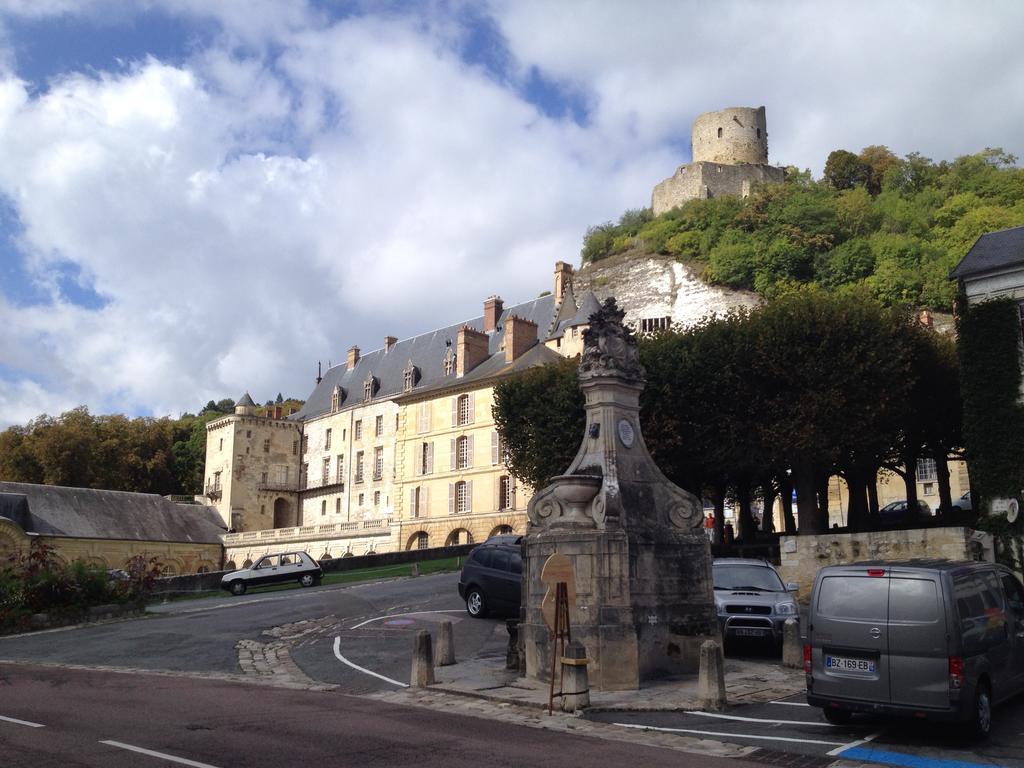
(857, 509)
(942, 476)
(805, 482)
(822, 493)
(768, 507)
(747, 530)
(719, 497)
(786, 490)
(872, 482)
(910, 481)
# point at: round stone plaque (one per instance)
(626, 434)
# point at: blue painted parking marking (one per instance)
(873, 755)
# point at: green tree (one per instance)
(844, 170)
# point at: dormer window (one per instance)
(412, 376)
(337, 398)
(370, 388)
(449, 361)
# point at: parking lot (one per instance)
(790, 728)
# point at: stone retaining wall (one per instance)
(803, 556)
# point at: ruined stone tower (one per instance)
(730, 152)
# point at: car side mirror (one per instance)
(792, 586)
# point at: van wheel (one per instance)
(475, 605)
(837, 716)
(237, 588)
(980, 725)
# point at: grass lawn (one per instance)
(444, 565)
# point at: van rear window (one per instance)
(854, 597)
(913, 600)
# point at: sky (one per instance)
(199, 199)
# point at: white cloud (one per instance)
(299, 186)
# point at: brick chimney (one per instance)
(520, 335)
(563, 279)
(470, 350)
(353, 356)
(389, 342)
(492, 311)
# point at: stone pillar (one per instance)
(711, 679)
(422, 661)
(446, 646)
(575, 683)
(792, 648)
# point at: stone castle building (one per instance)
(730, 153)
(395, 448)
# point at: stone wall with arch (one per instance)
(319, 547)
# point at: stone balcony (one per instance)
(310, 532)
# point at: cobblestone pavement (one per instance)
(271, 662)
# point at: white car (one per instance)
(274, 569)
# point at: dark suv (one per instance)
(491, 580)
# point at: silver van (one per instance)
(929, 639)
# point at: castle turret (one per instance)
(731, 136)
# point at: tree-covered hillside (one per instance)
(894, 225)
(116, 453)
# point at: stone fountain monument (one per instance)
(642, 564)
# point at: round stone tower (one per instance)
(731, 136)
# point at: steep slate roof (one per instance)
(427, 353)
(246, 400)
(991, 251)
(52, 510)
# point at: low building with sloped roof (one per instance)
(107, 528)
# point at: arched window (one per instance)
(418, 540)
(369, 388)
(449, 361)
(411, 375)
(463, 411)
(337, 397)
(247, 563)
(759, 133)
(462, 453)
(719, 133)
(230, 566)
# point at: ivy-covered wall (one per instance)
(990, 372)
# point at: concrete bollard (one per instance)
(792, 648)
(415, 570)
(711, 678)
(446, 645)
(422, 661)
(575, 680)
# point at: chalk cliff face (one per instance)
(651, 288)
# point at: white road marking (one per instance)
(343, 660)
(852, 744)
(729, 735)
(161, 755)
(16, 721)
(762, 720)
(397, 615)
(791, 703)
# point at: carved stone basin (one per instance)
(576, 490)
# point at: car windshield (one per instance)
(757, 578)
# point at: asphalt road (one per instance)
(201, 635)
(60, 717)
(791, 727)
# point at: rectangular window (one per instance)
(914, 601)
(221, 448)
(341, 467)
(854, 597)
(323, 508)
(359, 467)
(926, 470)
(248, 433)
(358, 430)
(295, 447)
(327, 440)
(378, 427)
(326, 471)
(337, 506)
(378, 462)
(414, 501)
(423, 418)
(216, 481)
(305, 444)
(929, 489)
(362, 498)
(426, 458)
(376, 498)
(266, 445)
(263, 478)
